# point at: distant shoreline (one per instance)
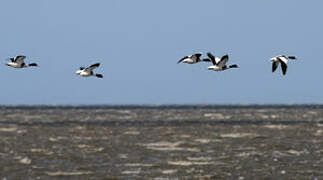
(162, 106)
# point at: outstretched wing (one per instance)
(20, 59)
(283, 62)
(182, 59)
(212, 58)
(223, 60)
(275, 65)
(93, 66)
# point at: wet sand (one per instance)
(162, 143)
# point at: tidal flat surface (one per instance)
(161, 142)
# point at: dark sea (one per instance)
(161, 142)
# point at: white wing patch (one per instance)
(283, 59)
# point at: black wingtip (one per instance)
(225, 57)
(284, 68)
(182, 59)
(209, 54)
(274, 66)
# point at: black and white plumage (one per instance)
(86, 72)
(192, 59)
(19, 62)
(282, 60)
(220, 64)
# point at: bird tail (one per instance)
(99, 75)
(32, 64)
(233, 66)
(292, 57)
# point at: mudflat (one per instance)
(161, 142)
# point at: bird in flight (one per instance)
(192, 59)
(19, 62)
(220, 64)
(282, 59)
(86, 72)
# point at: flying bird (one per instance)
(220, 64)
(192, 59)
(282, 59)
(86, 72)
(18, 62)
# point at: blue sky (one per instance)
(139, 42)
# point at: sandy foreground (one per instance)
(188, 143)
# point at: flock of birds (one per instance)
(19, 62)
(219, 64)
